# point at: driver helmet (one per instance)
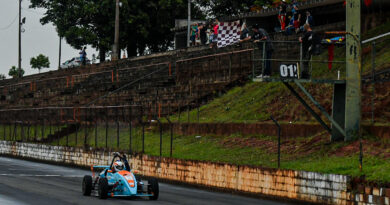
(118, 166)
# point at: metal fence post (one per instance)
(42, 127)
(15, 130)
(279, 130)
(230, 67)
(35, 127)
(160, 136)
(85, 126)
(373, 53)
(130, 130)
(28, 127)
(22, 130)
(360, 153)
(253, 63)
(106, 127)
(143, 136)
(9, 135)
(300, 59)
(50, 124)
(171, 129)
(67, 137)
(198, 112)
(96, 127)
(188, 113)
(264, 60)
(4, 129)
(58, 131)
(117, 127)
(178, 119)
(77, 127)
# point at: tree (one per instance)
(143, 23)
(2, 77)
(40, 62)
(218, 8)
(13, 72)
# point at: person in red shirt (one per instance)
(215, 36)
(282, 15)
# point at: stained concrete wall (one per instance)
(289, 184)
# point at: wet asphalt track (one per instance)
(26, 182)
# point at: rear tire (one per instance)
(87, 185)
(153, 189)
(103, 188)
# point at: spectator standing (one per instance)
(215, 34)
(296, 15)
(282, 15)
(211, 33)
(83, 56)
(203, 33)
(309, 19)
(93, 58)
(290, 27)
(294, 9)
(260, 36)
(310, 42)
(244, 32)
(194, 31)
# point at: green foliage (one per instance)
(13, 72)
(40, 62)
(220, 8)
(143, 23)
(2, 77)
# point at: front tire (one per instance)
(87, 185)
(153, 189)
(103, 188)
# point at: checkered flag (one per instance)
(228, 33)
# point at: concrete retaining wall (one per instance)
(290, 184)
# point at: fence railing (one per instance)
(327, 63)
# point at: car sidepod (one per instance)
(124, 184)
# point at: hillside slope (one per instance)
(255, 102)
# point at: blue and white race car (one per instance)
(117, 180)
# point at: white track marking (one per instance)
(32, 175)
(9, 201)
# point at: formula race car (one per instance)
(117, 180)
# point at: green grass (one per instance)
(255, 102)
(241, 104)
(297, 154)
(32, 132)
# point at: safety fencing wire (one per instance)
(375, 73)
(132, 128)
(287, 59)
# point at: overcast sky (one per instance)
(37, 39)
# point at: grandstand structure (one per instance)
(173, 79)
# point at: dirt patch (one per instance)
(237, 142)
(294, 148)
(377, 149)
(347, 150)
